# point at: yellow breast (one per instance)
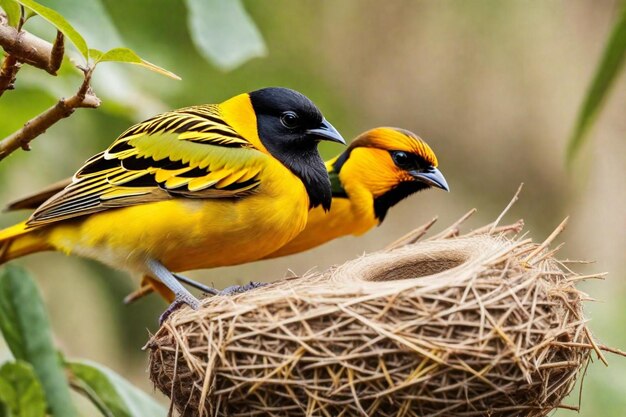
(347, 216)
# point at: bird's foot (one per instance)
(238, 289)
(179, 301)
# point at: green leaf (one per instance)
(12, 10)
(223, 32)
(25, 327)
(111, 393)
(90, 18)
(128, 56)
(60, 23)
(609, 67)
(21, 391)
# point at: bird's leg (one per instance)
(148, 289)
(237, 289)
(195, 284)
(181, 295)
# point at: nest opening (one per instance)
(422, 265)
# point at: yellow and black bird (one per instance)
(379, 168)
(200, 187)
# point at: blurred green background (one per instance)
(493, 86)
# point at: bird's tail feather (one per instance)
(17, 241)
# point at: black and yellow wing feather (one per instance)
(189, 153)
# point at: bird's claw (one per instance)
(178, 302)
(192, 302)
(238, 289)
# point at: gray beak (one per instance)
(326, 131)
(432, 177)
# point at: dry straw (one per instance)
(484, 324)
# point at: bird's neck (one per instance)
(346, 177)
(239, 114)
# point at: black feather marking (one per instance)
(203, 115)
(120, 146)
(341, 159)
(222, 132)
(196, 172)
(97, 165)
(240, 185)
(392, 197)
(187, 126)
(147, 180)
(135, 163)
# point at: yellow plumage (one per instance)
(193, 188)
(367, 174)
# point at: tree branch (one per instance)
(84, 97)
(30, 49)
(8, 71)
(56, 55)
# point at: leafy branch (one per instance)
(25, 47)
(22, 47)
(84, 97)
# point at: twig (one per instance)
(596, 348)
(490, 230)
(506, 209)
(84, 97)
(23, 47)
(612, 350)
(138, 293)
(56, 55)
(547, 242)
(28, 48)
(411, 237)
(453, 230)
(8, 71)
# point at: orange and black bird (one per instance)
(379, 168)
(199, 187)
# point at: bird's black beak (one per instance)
(326, 131)
(432, 176)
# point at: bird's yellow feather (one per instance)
(188, 189)
(368, 173)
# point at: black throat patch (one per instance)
(304, 161)
(293, 147)
(384, 202)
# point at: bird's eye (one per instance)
(289, 119)
(401, 159)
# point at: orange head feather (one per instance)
(389, 164)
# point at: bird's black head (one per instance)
(290, 126)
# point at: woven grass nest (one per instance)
(482, 324)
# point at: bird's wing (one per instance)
(187, 153)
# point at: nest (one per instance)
(484, 324)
